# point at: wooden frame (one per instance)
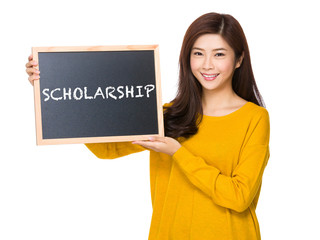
(37, 95)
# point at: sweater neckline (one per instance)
(234, 113)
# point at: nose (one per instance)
(208, 63)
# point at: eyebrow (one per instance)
(214, 50)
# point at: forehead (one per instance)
(211, 41)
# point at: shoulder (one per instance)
(258, 128)
(259, 119)
(167, 105)
(257, 111)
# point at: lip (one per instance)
(210, 77)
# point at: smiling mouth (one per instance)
(209, 77)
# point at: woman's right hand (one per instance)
(31, 70)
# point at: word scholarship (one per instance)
(110, 92)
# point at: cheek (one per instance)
(194, 65)
(226, 66)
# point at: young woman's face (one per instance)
(212, 62)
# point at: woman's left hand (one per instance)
(165, 145)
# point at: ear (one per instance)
(239, 61)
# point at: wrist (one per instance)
(175, 150)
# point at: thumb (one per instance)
(156, 138)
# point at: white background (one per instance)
(65, 192)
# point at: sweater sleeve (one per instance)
(237, 191)
(113, 150)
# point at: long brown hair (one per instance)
(183, 116)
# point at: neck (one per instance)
(212, 100)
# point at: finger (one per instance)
(157, 138)
(30, 78)
(32, 64)
(31, 71)
(30, 57)
(146, 144)
(139, 142)
(33, 78)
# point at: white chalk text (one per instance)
(110, 92)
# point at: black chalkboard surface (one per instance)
(97, 94)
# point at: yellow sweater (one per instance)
(209, 189)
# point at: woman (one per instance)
(206, 173)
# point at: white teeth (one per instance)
(214, 75)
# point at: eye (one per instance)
(197, 53)
(219, 54)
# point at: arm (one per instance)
(237, 191)
(113, 150)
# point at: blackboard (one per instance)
(97, 94)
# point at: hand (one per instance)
(31, 70)
(165, 145)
